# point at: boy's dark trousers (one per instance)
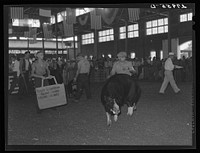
(83, 83)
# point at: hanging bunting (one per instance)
(45, 13)
(95, 20)
(47, 31)
(113, 12)
(133, 14)
(33, 40)
(83, 19)
(68, 29)
(32, 31)
(16, 12)
(70, 16)
(10, 30)
(60, 26)
(26, 34)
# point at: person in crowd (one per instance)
(82, 77)
(169, 67)
(69, 72)
(122, 66)
(40, 70)
(59, 71)
(25, 74)
(15, 73)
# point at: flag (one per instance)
(133, 14)
(33, 40)
(70, 16)
(95, 20)
(26, 34)
(10, 28)
(32, 31)
(25, 20)
(68, 29)
(16, 12)
(47, 31)
(60, 26)
(45, 13)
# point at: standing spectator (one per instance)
(59, 71)
(82, 77)
(15, 72)
(25, 73)
(183, 70)
(169, 66)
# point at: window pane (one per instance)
(111, 31)
(111, 37)
(136, 34)
(121, 36)
(160, 22)
(99, 39)
(108, 38)
(107, 32)
(166, 28)
(135, 27)
(130, 35)
(160, 29)
(155, 31)
(148, 31)
(104, 38)
(122, 29)
(130, 28)
(183, 17)
(166, 21)
(100, 33)
(189, 16)
(148, 24)
(154, 23)
(104, 33)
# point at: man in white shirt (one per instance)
(82, 77)
(169, 67)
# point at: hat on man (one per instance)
(39, 52)
(79, 56)
(121, 54)
(171, 53)
(27, 52)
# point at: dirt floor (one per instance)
(159, 120)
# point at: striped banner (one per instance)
(10, 30)
(45, 13)
(60, 26)
(33, 40)
(26, 34)
(71, 16)
(32, 31)
(95, 20)
(68, 29)
(47, 31)
(16, 12)
(134, 14)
